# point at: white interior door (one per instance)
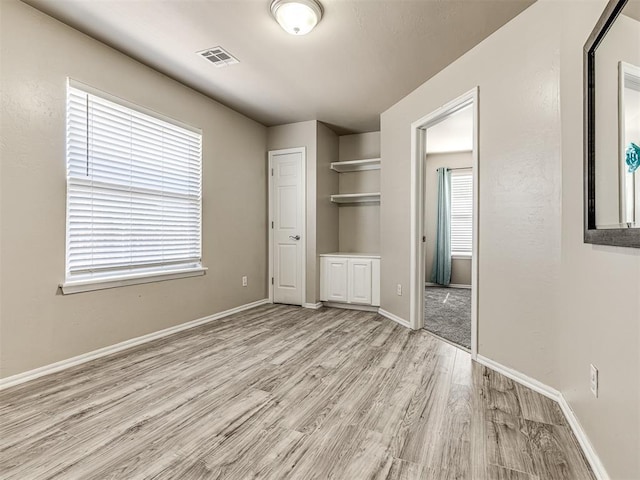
(287, 212)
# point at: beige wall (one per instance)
(38, 325)
(549, 305)
(599, 317)
(359, 146)
(460, 267)
(461, 271)
(321, 145)
(359, 225)
(303, 134)
(517, 71)
(327, 184)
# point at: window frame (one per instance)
(463, 254)
(81, 283)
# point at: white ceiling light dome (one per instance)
(297, 17)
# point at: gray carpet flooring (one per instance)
(447, 313)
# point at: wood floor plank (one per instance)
(501, 473)
(462, 368)
(539, 408)
(370, 457)
(403, 470)
(500, 393)
(284, 392)
(507, 445)
(477, 426)
(452, 453)
(418, 431)
(549, 459)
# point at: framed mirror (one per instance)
(612, 127)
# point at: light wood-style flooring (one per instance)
(282, 392)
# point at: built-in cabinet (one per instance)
(350, 279)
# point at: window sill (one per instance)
(460, 256)
(79, 286)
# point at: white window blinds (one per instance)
(461, 212)
(134, 186)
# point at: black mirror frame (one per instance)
(622, 237)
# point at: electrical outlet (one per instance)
(593, 380)
(399, 289)
(244, 281)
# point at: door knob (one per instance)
(294, 237)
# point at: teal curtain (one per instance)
(441, 272)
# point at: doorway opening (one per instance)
(444, 222)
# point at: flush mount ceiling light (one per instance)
(297, 17)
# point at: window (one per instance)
(461, 212)
(134, 184)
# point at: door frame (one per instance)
(418, 267)
(271, 154)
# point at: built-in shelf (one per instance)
(356, 165)
(346, 198)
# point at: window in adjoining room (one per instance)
(461, 212)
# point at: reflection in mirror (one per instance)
(629, 117)
(617, 123)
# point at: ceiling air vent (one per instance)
(219, 57)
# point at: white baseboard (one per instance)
(351, 306)
(395, 318)
(451, 285)
(521, 378)
(585, 443)
(313, 306)
(553, 394)
(102, 352)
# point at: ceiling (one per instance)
(363, 56)
(632, 9)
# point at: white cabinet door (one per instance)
(334, 280)
(360, 281)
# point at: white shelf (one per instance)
(347, 198)
(356, 165)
